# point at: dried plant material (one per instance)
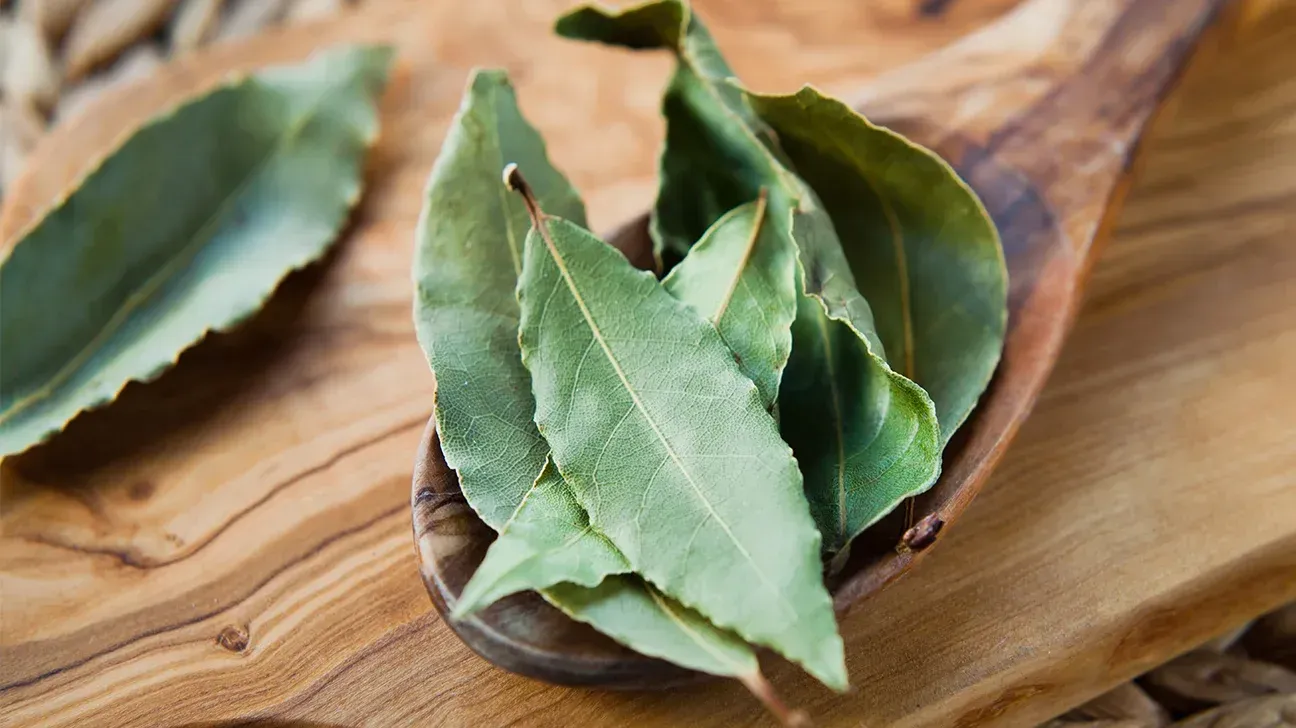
(1267, 712)
(29, 72)
(742, 278)
(194, 24)
(466, 268)
(185, 228)
(6, 27)
(843, 409)
(1200, 680)
(52, 17)
(726, 485)
(137, 63)
(105, 28)
(1273, 637)
(1125, 702)
(302, 11)
(248, 17)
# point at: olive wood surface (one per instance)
(232, 542)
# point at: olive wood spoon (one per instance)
(1041, 112)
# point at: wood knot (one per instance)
(933, 8)
(141, 490)
(922, 535)
(233, 638)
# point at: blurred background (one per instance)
(57, 55)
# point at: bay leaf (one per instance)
(245, 18)
(632, 612)
(865, 436)
(193, 23)
(742, 278)
(52, 16)
(668, 446)
(922, 248)
(699, 182)
(543, 543)
(547, 541)
(28, 75)
(107, 27)
(153, 249)
(466, 265)
(467, 260)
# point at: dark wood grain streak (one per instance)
(132, 561)
(30, 653)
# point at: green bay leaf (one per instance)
(632, 612)
(466, 263)
(702, 172)
(865, 436)
(923, 250)
(741, 276)
(184, 229)
(548, 541)
(669, 448)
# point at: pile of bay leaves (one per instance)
(676, 456)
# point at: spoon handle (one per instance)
(1057, 90)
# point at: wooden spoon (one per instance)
(1041, 112)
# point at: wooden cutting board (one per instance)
(233, 540)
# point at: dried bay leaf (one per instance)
(467, 261)
(52, 16)
(106, 27)
(243, 18)
(547, 541)
(693, 194)
(742, 278)
(193, 23)
(669, 447)
(864, 436)
(542, 544)
(922, 247)
(1275, 711)
(154, 249)
(29, 74)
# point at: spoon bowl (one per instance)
(1045, 130)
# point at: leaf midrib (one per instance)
(901, 258)
(515, 252)
(693, 634)
(154, 282)
(758, 220)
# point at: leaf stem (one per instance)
(514, 180)
(759, 687)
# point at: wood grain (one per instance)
(232, 541)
